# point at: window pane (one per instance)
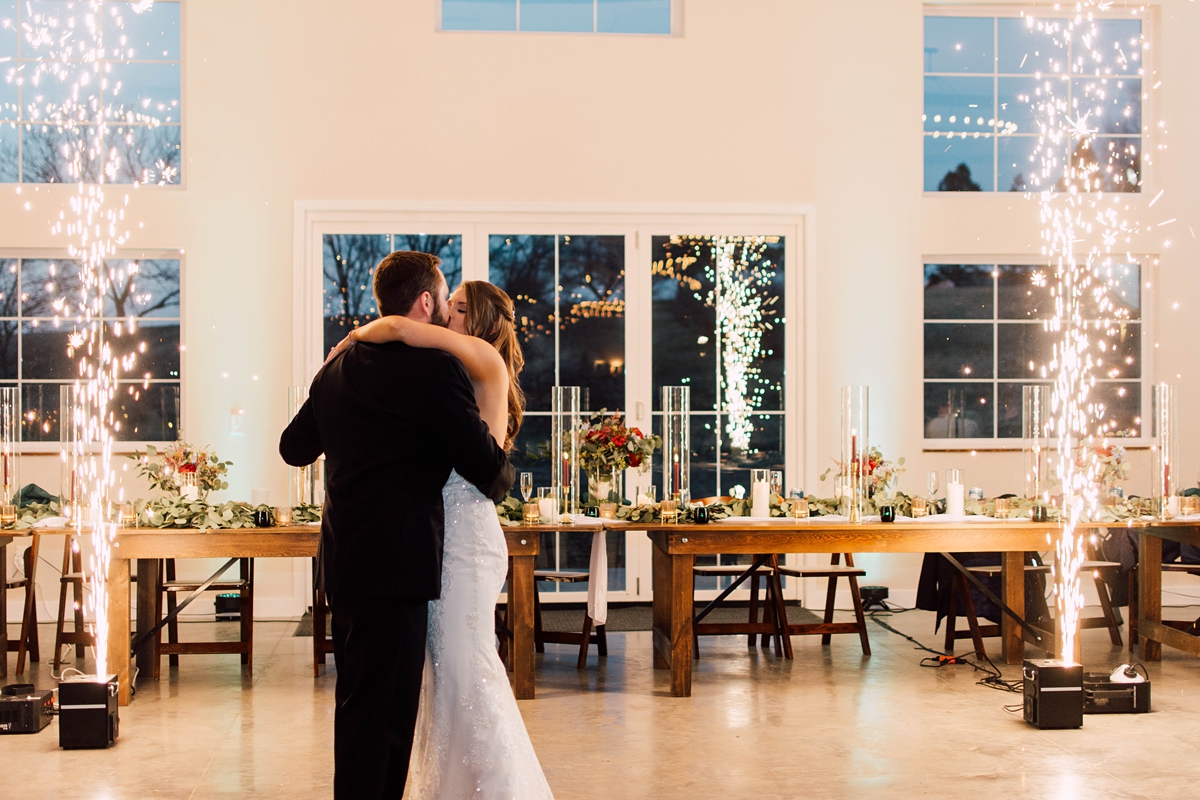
(1119, 44)
(1023, 291)
(143, 89)
(959, 44)
(349, 267)
(591, 272)
(529, 452)
(45, 282)
(1017, 101)
(8, 349)
(1113, 105)
(1122, 407)
(1018, 164)
(479, 15)
(1121, 356)
(147, 413)
(523, 266)
(10, 101)
(1118, 160)
(556, 15)
(684, 322)
(1009, 409)
(9, 297)
(958, 410)
(1027, 45)
(959, 104)
(1124, 294)
(154, 345)
(958, 165)
(151, 35)
(42, 158)
(44, 351)
(143, 288)
(8, 29)
(958, 291)
(10, 161)
(703, 456)
(766, 451)
(146, 154)
(633, 16)
(958, 350)
(48, 85)
(447, 247)
(1024, 349)
(39, 412)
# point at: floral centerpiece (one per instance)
(182, 469)
(879, 473)
(1110, 464)
(607, 447)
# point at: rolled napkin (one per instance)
(584, 521)
(597, 599)
(52, 522)
(785, 520)
(952, 518)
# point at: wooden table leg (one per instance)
(3, 612)
(1149, 594)
(673, 618)
(117, 646)
(521, 587)
(28, 628)
(147, 591)
(1012, 576)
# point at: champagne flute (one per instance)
(526, 486)
(931, 481)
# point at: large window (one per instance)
(140, 96)
(141, 318)
(986, 337)
(562, 16)
(718, 317)
(984, 77)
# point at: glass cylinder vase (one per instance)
(10, 443)
(302, 481)
(605, 486)
(566, 426)
(676, 441)
(855, 449)
(68, 452)
(1164, 430)
(1035, 441)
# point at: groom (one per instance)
(392, 421)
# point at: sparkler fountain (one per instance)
(67, 56)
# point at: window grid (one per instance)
(996, 76)
(644, 27)
(23, 124)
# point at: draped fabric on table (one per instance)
(933, 588)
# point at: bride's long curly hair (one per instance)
(491, 317)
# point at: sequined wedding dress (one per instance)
(470, 739)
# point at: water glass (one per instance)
(1003, 508)
(647, 495)
(931, 483)
(777, 483)
(799, 507)
(918, 506)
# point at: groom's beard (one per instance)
(440, 317)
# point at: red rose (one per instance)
(619, 441)
(189, 468)
(635, 459)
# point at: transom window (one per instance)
(141, 95)
(561, 16)
(984, 77)
(986, 337)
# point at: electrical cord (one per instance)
(992, 678)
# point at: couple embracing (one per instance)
(415, 413)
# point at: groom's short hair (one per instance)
(402, 277)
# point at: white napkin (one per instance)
(52, 522)
(954, 518)
(584, 521)
(787, 520)
(597, 601)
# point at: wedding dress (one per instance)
(470, 739)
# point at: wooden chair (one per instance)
(1178, 624)
(584, 639)
(28, 641)
(774, 621)
(960, 596)
(171, 588)
(72, 579)
(827, 627)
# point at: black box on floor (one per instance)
(1102, 696)
(24, 709)
(229, 607)
(87, 712)
(1053, 694)
(874, 596)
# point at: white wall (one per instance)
(763, 101)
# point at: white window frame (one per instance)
(638, 223)
(1148, 264)
(676, 25)
(120, 447)
(1150, 17)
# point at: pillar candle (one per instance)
(954, 499)
(548, 507)
(760, 500)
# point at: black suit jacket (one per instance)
(392, 421)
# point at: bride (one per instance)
(470, 739)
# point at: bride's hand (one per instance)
(339, 347)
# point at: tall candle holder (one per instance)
(10, 447)
(1035, 425)
(565, 428)
(855, 447)
(1164, 430)
(68, 455)
(305, 485)
(677, 438)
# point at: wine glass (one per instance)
(526, 486)
(777, 483)
(931, 482)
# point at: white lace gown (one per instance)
(470, 739)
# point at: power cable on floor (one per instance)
(992, 679)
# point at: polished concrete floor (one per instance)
(831, 724)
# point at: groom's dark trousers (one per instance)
(392, 422)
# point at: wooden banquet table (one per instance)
(676, 547)
(1151, 630)
(147, 545)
